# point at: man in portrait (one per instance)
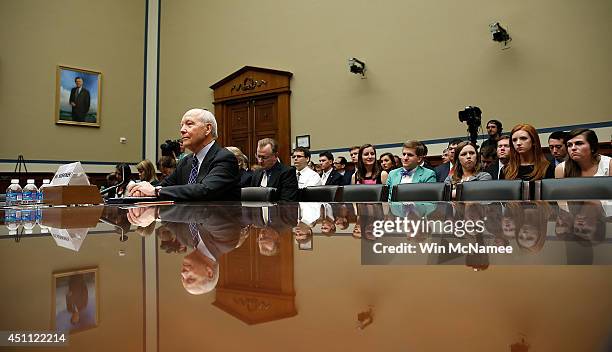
(79, 100)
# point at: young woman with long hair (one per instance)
(527, 161)
(467, 165)
(146, 172)
(584, 160)
(387, 162)
(368, 171)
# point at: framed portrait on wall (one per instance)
(75, 303)
(77, 96)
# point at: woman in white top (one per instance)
(583, 161)
(467, 167)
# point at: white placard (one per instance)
(70, 174)
(69, 238)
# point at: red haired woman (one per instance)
(527, 161)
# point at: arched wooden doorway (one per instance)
(253, 103)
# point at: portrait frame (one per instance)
(62, 319)
(86, 110)
(303, 141)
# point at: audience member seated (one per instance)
(398, 161)
(340, 165)
(527, 161)
(209, 174)
(442, 171)
(411, 170)
(354, 152)
(146, 172)
(329, 175)
(424, 163)
(387, 162)
(445, 156)
(487, 156)
(306, 177)
(243, 166)
(503, 153)
(273, 173)
(557, 144)
(494, 130)
(166, 165)
(120, 170)
(368, 172)
(584, 160)
(467, 166)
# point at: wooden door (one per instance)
(253, 103)
(238, 125)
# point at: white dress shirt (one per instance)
(307, 178)
(325, 175)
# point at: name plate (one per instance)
(70, 175)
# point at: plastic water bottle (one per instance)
(30, 193)
(13, 193)
(12, 219)
(40, 199)
(28, 218)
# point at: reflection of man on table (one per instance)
(79, 100)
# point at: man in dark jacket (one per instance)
(273, 173)
(209, 174)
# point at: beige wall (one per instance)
(38, 35)
(426, 60)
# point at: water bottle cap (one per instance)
(30, 180)
(15, 180)
(46, 180)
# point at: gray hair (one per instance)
(206, 117)
(265, 141)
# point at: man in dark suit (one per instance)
(329, 176)
(558, 150)
(79, 100)
(273, 173)
(209, 174)
(340, 166)
(443, 170)
(503, 154)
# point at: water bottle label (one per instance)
(29, 196)
(28, 215)
(39, 196)
(11, 198)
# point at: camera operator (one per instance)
(494, 130)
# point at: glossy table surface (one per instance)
(311, 276)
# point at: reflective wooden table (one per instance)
(512, 276)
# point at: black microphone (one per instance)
(124, 182)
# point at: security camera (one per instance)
(499, 34)
(357, 66)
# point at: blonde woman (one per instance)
(146, 172)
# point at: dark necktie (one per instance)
(406, 173)
(193, 175)
(195, 234)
